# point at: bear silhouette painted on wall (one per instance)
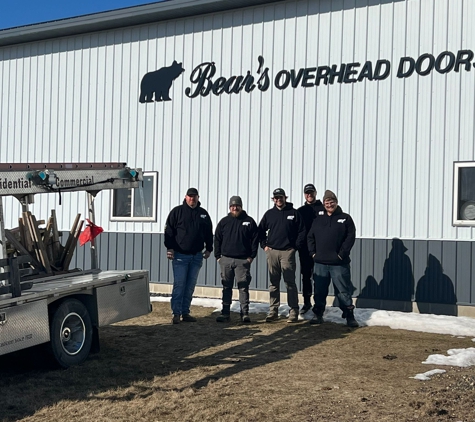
(159, 82)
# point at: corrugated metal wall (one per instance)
(387, 148)
(387, 274)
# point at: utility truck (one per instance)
(41, 299)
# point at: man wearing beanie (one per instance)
(329, 241)
(235, 247)
(281, 233)
(187, 231)
(308, 211)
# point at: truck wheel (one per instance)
(71, 333)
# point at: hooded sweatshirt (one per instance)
(282, 229)
(309, 212)
(188, 229)
(330, 236)
(236, 237)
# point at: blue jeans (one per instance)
(185, 273)
(341, 277)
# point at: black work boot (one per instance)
(306, 307)
(188, 318)
(223, 318)
(318, 318)
(225, 311)
(246, 318)
(273, 315)
(350, 319)
(293, 316)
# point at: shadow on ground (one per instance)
(148, 347)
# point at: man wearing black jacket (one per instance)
(188, 229)
(281, 233)
(308, 211)
(329, 241)
(235, 247)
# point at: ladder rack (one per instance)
(20, 179)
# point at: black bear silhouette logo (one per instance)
(159, 83)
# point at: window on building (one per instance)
(464, 194)
(138, 204)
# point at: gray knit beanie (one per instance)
(329, 195)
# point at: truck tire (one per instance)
(71, 333)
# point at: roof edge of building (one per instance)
(130, 16)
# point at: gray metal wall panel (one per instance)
(419, 264)
(472, 278)
(138, 251)
(367, 261)
(99, 249)
(262, 274)
(389, 270)
(380, 254)
(161, 268)
(449, 260)
(356, 276)
(128, 251)
(464, 272)
(147, 259)
(112, 251)
(436, 285)
(103, 251)
(254, 275)
(204, 276)
(410, 245)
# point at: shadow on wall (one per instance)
(435, 291)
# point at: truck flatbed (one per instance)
(64, 308)
(78, 282)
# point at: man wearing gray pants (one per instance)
(281, 234)
(235, 247)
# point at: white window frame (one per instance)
(153, 218)
(456, 221)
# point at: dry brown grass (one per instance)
(150, 370)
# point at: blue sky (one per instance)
(25, 12)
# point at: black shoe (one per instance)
(350, 319)
(176, 319)
(305, 308)
(223, 318)
(188, 318)
(272, 316)
(293, 316)
(246, 319)
(316, 320)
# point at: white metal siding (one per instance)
(386, 148)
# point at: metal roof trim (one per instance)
(130, 16)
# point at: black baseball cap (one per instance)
(278, 192)
(192, 191)
(309, 188)
(235, 200)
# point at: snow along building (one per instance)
(373, 99)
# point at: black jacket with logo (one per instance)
(330, 236)
(282, 229)
(188, 229)
(236, 237)
(309, 212)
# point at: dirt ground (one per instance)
(150, 370)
